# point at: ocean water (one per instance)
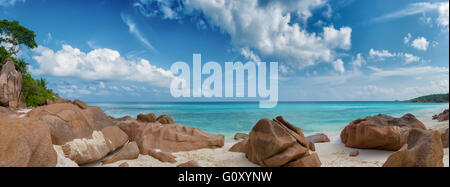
(229, 118)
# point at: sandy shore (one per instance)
(332, 154)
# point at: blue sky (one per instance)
(328, 50)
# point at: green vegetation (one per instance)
(435, 98)
(13, 35)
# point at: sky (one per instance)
(327, 50)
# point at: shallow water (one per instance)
(229, 118)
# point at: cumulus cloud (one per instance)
(8, 3)
(421, 43)
(338, 66)
(382, 55)
(267, 27)
(98, 64)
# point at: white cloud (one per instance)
(407, 38)
(358, 62)
(420, 8)
(8, 3)
(409, 58)
(338, 66)
(411, 71)
(421, 43)
(135, 31)
(101, 85)
(268, 28)
(381, 55)
(384, 54)
(249, 54)
(99, 64)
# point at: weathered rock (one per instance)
(311, 146)
(10, 85)
(165, 119)
(174, 138)
(423, 149)
(444, 138)
(241, 136)
(80, 104)
(318, 138)
(99, 119)
(126, 118)
(277, 143)
(380, 132)
(124, 165)
(442, 116)
(354, 154)
(240, 147)
(190, 164)
(87, 150)
(128, 152)
(60, 100)
(162, 156)
(68, 122)
(147, 118)
(25, 143)
(130, 127)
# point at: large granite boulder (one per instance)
(240, 147)
(442, 116)
(96, 147)
(10, 85)
(423, 149)
(68, 122)
(173, 138)
(277, 143)
(25, 142)
(130, 127)
(380, 132)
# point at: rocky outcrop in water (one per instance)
(25, 142)
(423, 149)
(10, 85)
(380, 132)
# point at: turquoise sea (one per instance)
(229, 118)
